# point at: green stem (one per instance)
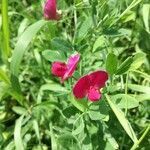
(141, 138)
(144, 75)
(5, 31)
(126, 108)
(126, 92)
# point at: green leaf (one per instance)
(132, 5)
(17, 134)
(99, 43)
(112, 141)
(20, 48)
(37, 57)
(124, 67)
(125, 101)
(79, 104)
(23, 25)
(138, 60)
(122, 119)
(98, 111)
(53, 139)
(139, 88)
(54, 87)
(110, 138)
(143, 74)
(4, 77)
(143, 97)
(17, 96)
(111, 63)
(61, 45)
(80, 127)
(52, 56)
(5, 30)
(84, 28)
(146, 15)
(19, 110)
(131, 15)
(65, 139)
(3, 89)
(36, 128)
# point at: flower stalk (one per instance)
(5, 31)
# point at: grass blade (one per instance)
(17, 134)
(123, 121)
(5, 30)
(20, 49)
(4, 77)
(141, 138)
(139, 88)
(146, 12)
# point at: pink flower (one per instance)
(50, 10)
(59, 69)
(63, 70)
(89, 85)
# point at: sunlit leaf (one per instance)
(20, 48)
(52, 56)
(125, 101)
(79, 104)
(17, 134)
(122, 119)
(98, 111)
(124, 67)
(111, 63)
(138, 60)
(84, 28)
(139, 88)
(146, 15)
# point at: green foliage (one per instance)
(5, 31)
(124, 122)
(61, 45)
(111, 63)
(17, 134)
(124, 67)
(53, 55)
(19, 50)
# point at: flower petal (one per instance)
(50, 12)
(58, 69)
(89, 85)
(98, 79)
(81, 87)
(71, 65)
(94, 94)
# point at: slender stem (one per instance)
(144, 75)
(5, 30)
(126, 92)
(94, 19)
(126, 108)
(141, 138)
(75, 22)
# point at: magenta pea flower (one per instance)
(50, 10)
(59, 69)
(89, 85)
(63, 70)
